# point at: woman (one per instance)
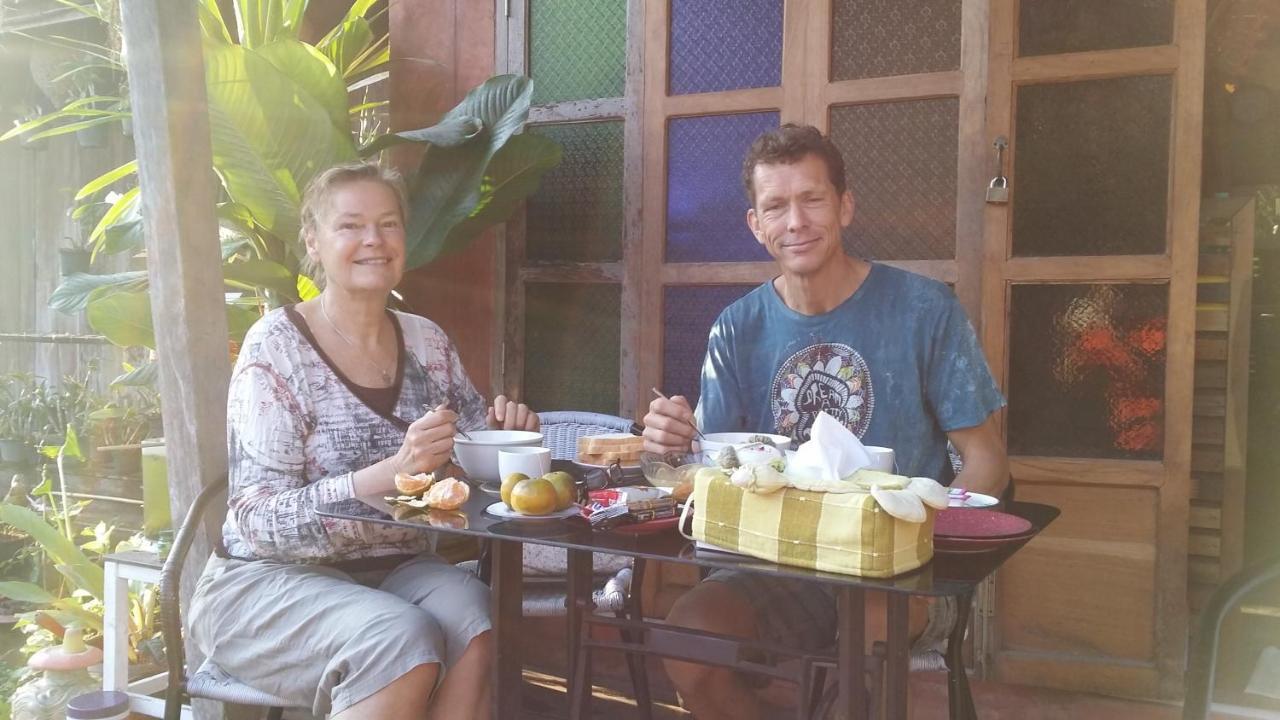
(355, 620)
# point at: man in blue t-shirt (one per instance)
(888, 353)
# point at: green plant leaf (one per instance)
(447, 186)
(123, 205)
(87, 575)
(264, 21)
(72, 295)
(67, 611)
(512, 176)
(145, 375)
(103, 119)
(71, 445)
(212, 26)
(307, 288)
(314, 74)
(106, 179)
(269, 136)
(449, 132)
(26, 592)
(255, 273)
(239, 320)
(123, 317)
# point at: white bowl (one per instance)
(479, 455)
(715, 441)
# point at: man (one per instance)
(888, 353)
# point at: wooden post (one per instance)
(171, 132)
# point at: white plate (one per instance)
(975, 500)
(500, 509)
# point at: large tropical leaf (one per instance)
(123, 317)
(145, 375)
(447, 186)
(265, 21)
(212, 26)
(270, 136)
(60, 549)
(26, 592)
(255, 273)
(449, 132)
(239, 320)
(314, 74)
(73, 294)
(512, 176)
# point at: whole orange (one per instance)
(533, 496)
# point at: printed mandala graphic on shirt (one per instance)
(828, 376)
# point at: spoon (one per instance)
(440, 407)
(658, 392)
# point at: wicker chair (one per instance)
(209, 681)
(619, 593)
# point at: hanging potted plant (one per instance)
(74, 257)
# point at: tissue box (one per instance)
(835, 532)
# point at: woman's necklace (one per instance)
(386, 376)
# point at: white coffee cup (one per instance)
(881, 458)
(531, 461)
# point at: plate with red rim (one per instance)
(646, 527)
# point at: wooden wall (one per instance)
(440, 49)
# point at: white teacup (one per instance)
(881, 458)
(531, 461)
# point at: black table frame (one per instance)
(955, 575)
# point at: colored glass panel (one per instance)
(1091, 167)
(688, 313)
(725, 45)
(880, 38)
(572, 340)
(1046, 27)
(706, 207)
(901, 161)
(1086, 370)
(577, 50)
(576, 214)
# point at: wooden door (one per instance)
(1088, 302)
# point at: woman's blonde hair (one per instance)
(321, 188)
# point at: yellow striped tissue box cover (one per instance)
(845, 533)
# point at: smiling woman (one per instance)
(326, 403)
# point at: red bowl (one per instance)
(971, 523)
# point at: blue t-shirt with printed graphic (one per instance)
(897, 362)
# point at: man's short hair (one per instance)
(790, 144)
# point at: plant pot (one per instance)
(120, 460)
(73, 260)
(17, 452)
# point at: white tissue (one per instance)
(831, 453)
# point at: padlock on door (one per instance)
(998, 190)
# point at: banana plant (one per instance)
(280, 112)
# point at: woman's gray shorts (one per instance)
(325, 638)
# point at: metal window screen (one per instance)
(572, 340)
(1091, 167)
(576, 214)
(725, 45)
(1046, 27)
(688, 314)
(901, 159)
(577, 50)
(706, 205)
(881, 38)
(1086, 370)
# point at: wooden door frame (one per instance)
(1183, 60)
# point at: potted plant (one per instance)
(120, 426)
(74, 257)
(23, 418)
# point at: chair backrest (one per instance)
(562, 428)
(210, 505)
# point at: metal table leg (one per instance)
(959, 698)
(852, 661)
(580, 606)
(506, 599)
(897, 665)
